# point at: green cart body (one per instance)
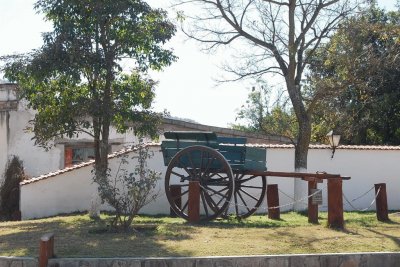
(239, 156)
(222, 166)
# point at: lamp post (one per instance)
(334, 140)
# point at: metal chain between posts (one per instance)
(231, 203)
(287, 195)
(365, 209)
(301, 200)
(357, 198)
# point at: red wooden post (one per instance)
(46, 249)
(68, 154)
(381, 203)
(273, 201)
(312, 208)
(194, 201)
(176, 193)
(335, 203)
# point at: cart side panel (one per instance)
(170, 147)
(191, 135)
(232, 140)
(256, 159)
(234, 155)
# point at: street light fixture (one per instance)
(334, 140)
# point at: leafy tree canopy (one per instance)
(260, 115)
(75, 80)
(361, 70)
(356, 75)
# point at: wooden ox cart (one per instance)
(229, 174)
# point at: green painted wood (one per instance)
(172, 144)
(239, 156)
(187, 135)
(232, 140)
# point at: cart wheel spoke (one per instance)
(248, 186)
(214, 174)
(249, 194)
(244, 202)
(180, 195)
(179, 175)
(217, 192)
(204, 203)
(186, 205)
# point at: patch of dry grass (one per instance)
(78, 236)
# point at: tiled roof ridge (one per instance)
(224, 130)
(321, 146)
(83, 164)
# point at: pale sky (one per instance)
(186, 89)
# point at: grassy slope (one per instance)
(79, 236)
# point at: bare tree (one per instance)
(272, 37)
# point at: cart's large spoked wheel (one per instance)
(211, 170)
(249, 194)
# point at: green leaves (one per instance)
(76, 77)
(361, 71)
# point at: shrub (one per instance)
(128, 192)
(9, 190)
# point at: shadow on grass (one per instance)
(395, 239)
(259, 221)
(74, 237)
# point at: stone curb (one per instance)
(372, 259)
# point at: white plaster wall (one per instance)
(281, 160)
(366, 168)
(73, 191)
(60, 194)
(3, 143)
(37, 160)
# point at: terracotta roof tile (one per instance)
(78, 166)
(349, 147)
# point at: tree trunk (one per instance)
(303, 139)
(301, 155)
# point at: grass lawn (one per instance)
(78, 236)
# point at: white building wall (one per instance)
(3, 142)
(36, 159)
(366, 168)
(73, 191)
(16, 140)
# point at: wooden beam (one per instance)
(273, 201)
(335, 204)
(381, 202)
(46, 249)
(313, 179)
(299, 175)
(194, 202)
(312, 208)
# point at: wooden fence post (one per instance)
(381, 202)
(46, 249)
(312, 208)
(194, 201)
(176, 193)
(273, 201)
(335, 203)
